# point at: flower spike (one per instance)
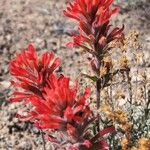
(93, 17)
(32, 72)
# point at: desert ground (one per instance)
(42, 23)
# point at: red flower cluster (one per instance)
(93, 17)
(59, 105)
(56, 107)
(31, 72)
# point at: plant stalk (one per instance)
(98, 90)
(44, 144)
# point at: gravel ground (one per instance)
(42, 23)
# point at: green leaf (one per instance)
(93, 78)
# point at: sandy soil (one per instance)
(42, 22)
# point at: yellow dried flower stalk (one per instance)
(103, 71)
(144, 143)
(139, 57)
(124, 62)
(107, 60)
(106, 109)
(124, 56)
(106, 66)
(127, 126)
(119, 94)
(120, 116)
(125, 143)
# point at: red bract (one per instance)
(93, 17)
(32, 72)
(88, 11)
(60, 103)
(56, 108)
(65, 114)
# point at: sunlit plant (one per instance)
(64, 116)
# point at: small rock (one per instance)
(5, 85)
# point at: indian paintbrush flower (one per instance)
(93, 17)
(56, 106)
(32, 72)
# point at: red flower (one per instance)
(60, 104)
(93, 17)
(61, 109)
(56, 107)
(88, 11)
(32, 72)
